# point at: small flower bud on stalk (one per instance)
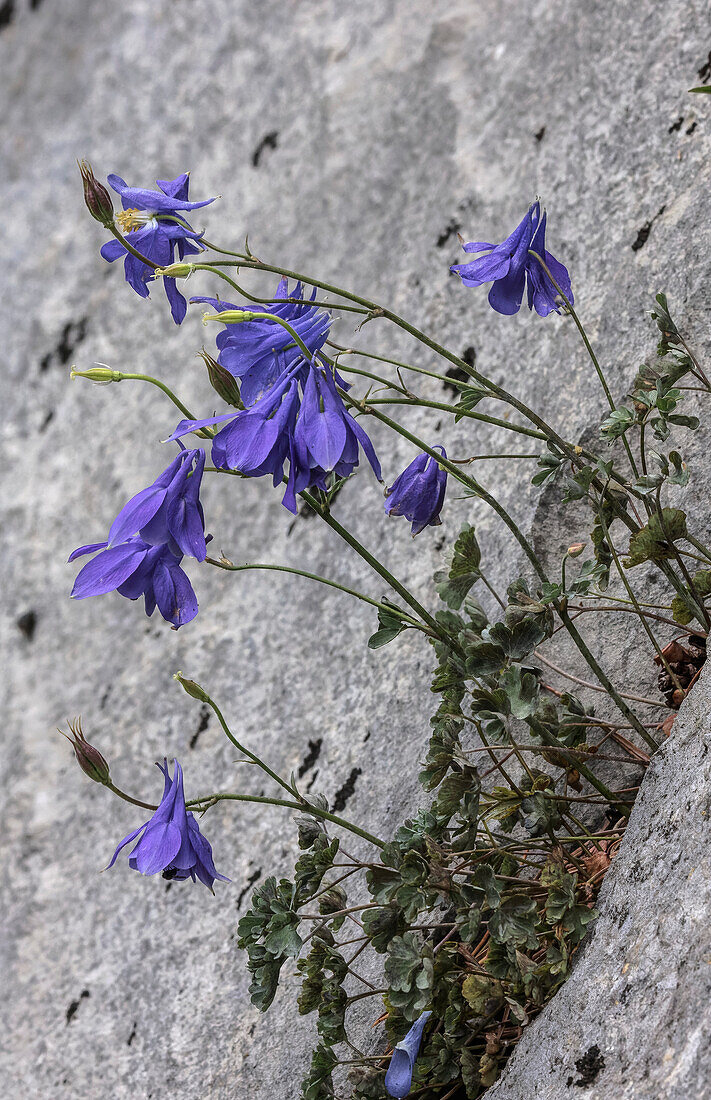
(229, 317)
(576, 549)
(174, 271)
(89, 759)
(96, 197)
(222, 382)
(192, 688)
(97, 374)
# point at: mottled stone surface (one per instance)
(393, 125)
(633, 1020)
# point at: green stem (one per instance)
(389, 608)
(120, 376)
(528, 550)
(128, 798)
(252, 756)
(699, 546)
(630, 592)
(546, 736)
(470, 414)
(129, 248)
(201, 804)
(373, 562)
(274, 301)
(589, 348)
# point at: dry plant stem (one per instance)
(596, 687)
(640, 614)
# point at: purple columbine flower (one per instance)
(260, 352)
(398, 1079)
(315, 432)
(509, 265)
(169, 511)
(172, 842)
(145, 224)
(135, 568)
(542, 294)
(418, 493)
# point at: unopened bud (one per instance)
(97, 374)
(192, 688)
(96, 197)
(576, 549)
(175, 271)
(89, 759)
(229, 317)
(222, 382)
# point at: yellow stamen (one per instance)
(131, 219)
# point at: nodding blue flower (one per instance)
(418, 493)
(168, 511)
(508, 266)
(260, 352)
(135, 568)
(172, 843)
(398, 1079)
(542, 294)
(314, 431)
(146, 224)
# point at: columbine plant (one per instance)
(478, 903)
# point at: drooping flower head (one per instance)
(259, 352)
(312, 429)
(398, 1079)
(542, 294)
(510, 265)
(146, 224)
(135, 568)
(418, 493)
(171, 842)
(168, 511)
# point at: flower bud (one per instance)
(89, 759)
(96, 197)
(576, 549)
(192, 688)
(98, 374)
(222, 382)
(229, 316)
(175, 271)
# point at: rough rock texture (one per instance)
(353, 141)
(632, 1020)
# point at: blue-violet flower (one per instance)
(418, 493)
(172, 842)
(508, 266)
(145, 225)
(168, 511)
(135, 568)
(315, 432)
(398, 1079)
(260, 352)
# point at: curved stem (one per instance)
(252, 756)
(121, 376)
(389, 608)
(274, 301)
(373, 562)
(470, 414)
(128, 798)
(202, 804)
(588, 347)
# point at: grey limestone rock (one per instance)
(354, 142)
